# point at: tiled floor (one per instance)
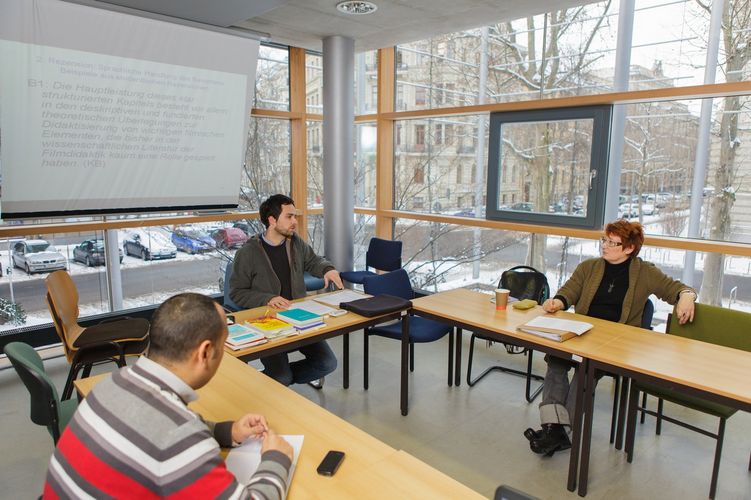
(472, 434)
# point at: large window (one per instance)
(272, 78)
(550, 165)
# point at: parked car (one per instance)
(628, 210)
(229, 237)
(35, 256)
(192, 240)
(244, 227)
(647, 209)
(524, 206)
(91, 253)
(148, 245)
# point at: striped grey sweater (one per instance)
(134, 436)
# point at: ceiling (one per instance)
(305, 23)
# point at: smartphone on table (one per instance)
(330, 463)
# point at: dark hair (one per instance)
(272, 207)
(181, 323)
(631, 234)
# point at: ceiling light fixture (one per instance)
(356, 7)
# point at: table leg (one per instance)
(405, 365)
(576, 424)
(451, 358)
(458, 368)
(589, 400)
(345, 360)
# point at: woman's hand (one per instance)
(685, 308)
(552, 305)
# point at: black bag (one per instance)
(375, 306)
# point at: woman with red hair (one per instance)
(614, 287)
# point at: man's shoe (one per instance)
(532, 434)
(317, 384)
(554, 438)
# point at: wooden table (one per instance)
(371, 469)
(473, 311)
(709, 371)
(334, 326)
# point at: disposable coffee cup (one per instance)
(501, 299)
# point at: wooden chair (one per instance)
(714, 325)
(87, 346)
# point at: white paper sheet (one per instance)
(313, 307)
(244, 460)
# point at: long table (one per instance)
(371, 468)
(713, 372)
(336, 326)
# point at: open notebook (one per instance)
(244, 460)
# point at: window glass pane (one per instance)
(159, 270)
(658, 167)
(565, 52)
(272, 79)
(315, 233)
(267, 162)
(438, 166)
(669, 44)
(366, 82)
(365, 165)
(544, 167)
(315, 164)
(314, 83)
(364, 231)
(25, 262)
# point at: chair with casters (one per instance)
(87, 346)
(46, 407)
(421, 330)
(382, 255)
(715, 325)
(524, 282)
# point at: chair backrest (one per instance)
(525, 283)
(394, 283)
(63, 302)
(228, 302)
(384, 255)
(646, 316)
(716, 325)
(45, 402)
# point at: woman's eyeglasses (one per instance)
(609, 243)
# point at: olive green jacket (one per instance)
(644, 279)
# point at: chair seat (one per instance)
(420, 330)
(133, 329)
(688, 401)
(356, 276)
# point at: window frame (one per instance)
(601, 116)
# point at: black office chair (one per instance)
(524, 282)
(46, 408)
(383, 255)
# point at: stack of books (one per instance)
(270, 327)
(555, 329)
(242, 337)
(301, 319)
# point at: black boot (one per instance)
(532, 434)
(553, 438)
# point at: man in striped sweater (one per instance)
(134, 436)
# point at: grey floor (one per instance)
(472, 434)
